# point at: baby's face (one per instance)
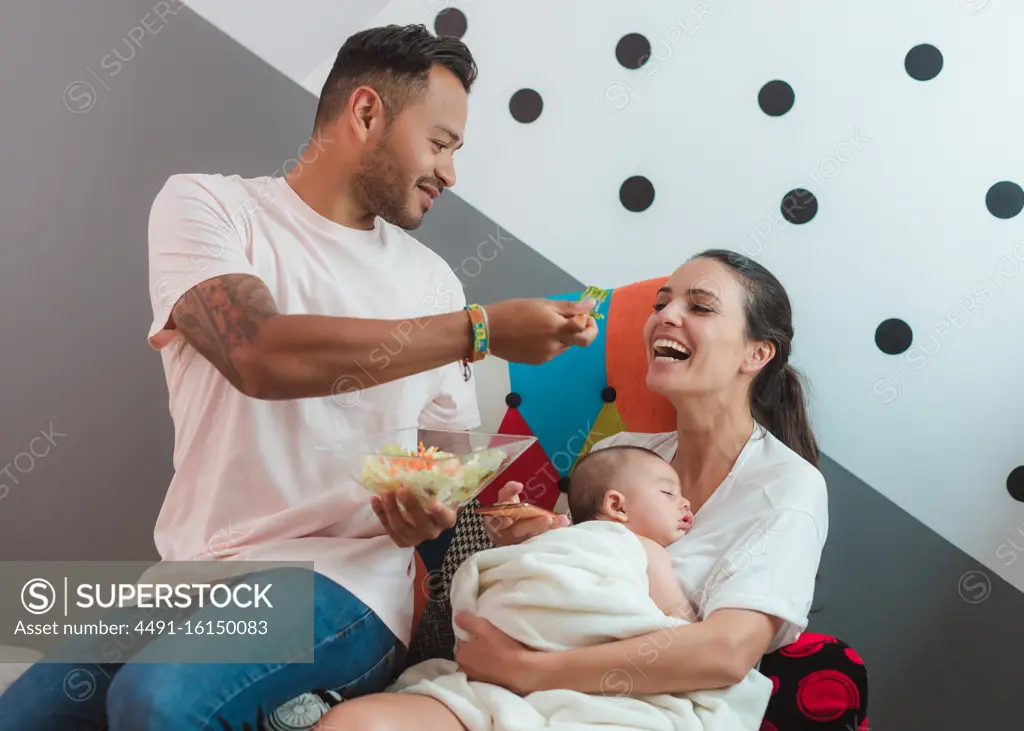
(654, 502)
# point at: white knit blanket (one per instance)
(574, 587)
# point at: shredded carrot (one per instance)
(428, 459)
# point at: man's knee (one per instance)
(146, 696)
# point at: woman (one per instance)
(718, 343)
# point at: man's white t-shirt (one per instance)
(249, 483)
(757, 542)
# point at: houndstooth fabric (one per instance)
(435, 637)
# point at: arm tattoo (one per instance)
(223, 314)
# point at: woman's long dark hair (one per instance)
(777, 395)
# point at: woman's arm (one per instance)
(715, 653)
(770, 573)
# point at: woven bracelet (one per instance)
(481, 333)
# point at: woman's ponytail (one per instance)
(778, 403)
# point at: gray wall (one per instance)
(73, 260)
(937, 631)
(942, 650)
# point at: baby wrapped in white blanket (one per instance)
(578, 586)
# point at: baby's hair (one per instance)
(596, 474)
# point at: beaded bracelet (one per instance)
(481, 332)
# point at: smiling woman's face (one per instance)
(696, 335)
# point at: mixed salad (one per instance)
(432, 474)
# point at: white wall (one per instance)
(900, 169)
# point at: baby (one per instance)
(635, 487)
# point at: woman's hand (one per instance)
(491, 656)
(510, 531)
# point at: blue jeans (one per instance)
(354, 654)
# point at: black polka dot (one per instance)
(608, 394)
(636, 193)
(799, 206)
(563, 484)
(526, 105)
(450, 22)
(633, 50)
(1004, 199)
(513, 400)
(1015, 483)
(923, 62)
(776, 98)
(893, 336)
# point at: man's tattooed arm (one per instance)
(233, 321)
(221, 319)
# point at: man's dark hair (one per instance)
(594, 475)
(395, 61)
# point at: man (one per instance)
(293, 312)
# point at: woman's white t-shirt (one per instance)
(757, 541)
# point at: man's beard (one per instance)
(385, 189)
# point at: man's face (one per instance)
(412, 164)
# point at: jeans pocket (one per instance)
(374, 680)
